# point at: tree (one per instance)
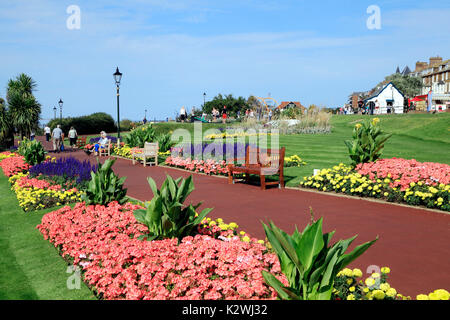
(6, 130)
(408, 85)
(233, 104)
(23, 108)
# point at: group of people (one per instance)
(57, 136)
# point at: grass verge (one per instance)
(30, 267)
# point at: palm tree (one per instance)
(6, 132)
(24, 109)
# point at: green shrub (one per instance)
(165, 216)
(105, 186)
(91, 124)
(32, 150)
(138, 137)
(308, 262)
(368, 142)
(126, 125)
(164, 142)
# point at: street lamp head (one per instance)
(117, 76)
(54, 108)
(60, 103)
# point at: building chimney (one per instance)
(435, 60)
(420, 66)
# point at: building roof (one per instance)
(284, 104)
(406, 71)
(377, 93)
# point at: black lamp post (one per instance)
(117, 77)
(60, 109)
(204, 100)
(54, 111)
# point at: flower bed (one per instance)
(96, 139)
(13, 165)
(294, 161)
(394, 180)
(34, 194)
(405, 173)
(102, 241)
(126, 151)
(7, 154)
(203, 166)
(65, 168)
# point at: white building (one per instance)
(387, 100)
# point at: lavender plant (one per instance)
(65, 168)
(95, 140)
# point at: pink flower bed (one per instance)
(206, 166)
(406, 172)
(25, 182)
(103, 242)
(14, 165)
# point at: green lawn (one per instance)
(30, 267)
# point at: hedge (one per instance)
(90, 124)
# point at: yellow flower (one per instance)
(370, 282)
(439, 294)
(378, 294)
(246, 239)
(391, 292)
(349, 281)
(385, 270)
(233, 225)
(385, 286)
(352, 289)
(375, 275)
(357, 273)
(358, 126)
(422, 297)
(347, 272)
(351, 297)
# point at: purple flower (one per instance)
(95, 140)
(69, 168)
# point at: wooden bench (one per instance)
(150, 149)
(81, 142)
(106, 150)
(260, 162)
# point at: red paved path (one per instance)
(414, 243)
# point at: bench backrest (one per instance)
(151, 148)
(265, 157)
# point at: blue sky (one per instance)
(171, 51)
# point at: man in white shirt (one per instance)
(57, 138)
(47, 132)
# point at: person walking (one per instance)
(48, 133)
(57, 135)
(224, 114)
(73, 135)
(182, 114)
(32, 135)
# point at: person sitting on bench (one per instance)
(102, 142)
